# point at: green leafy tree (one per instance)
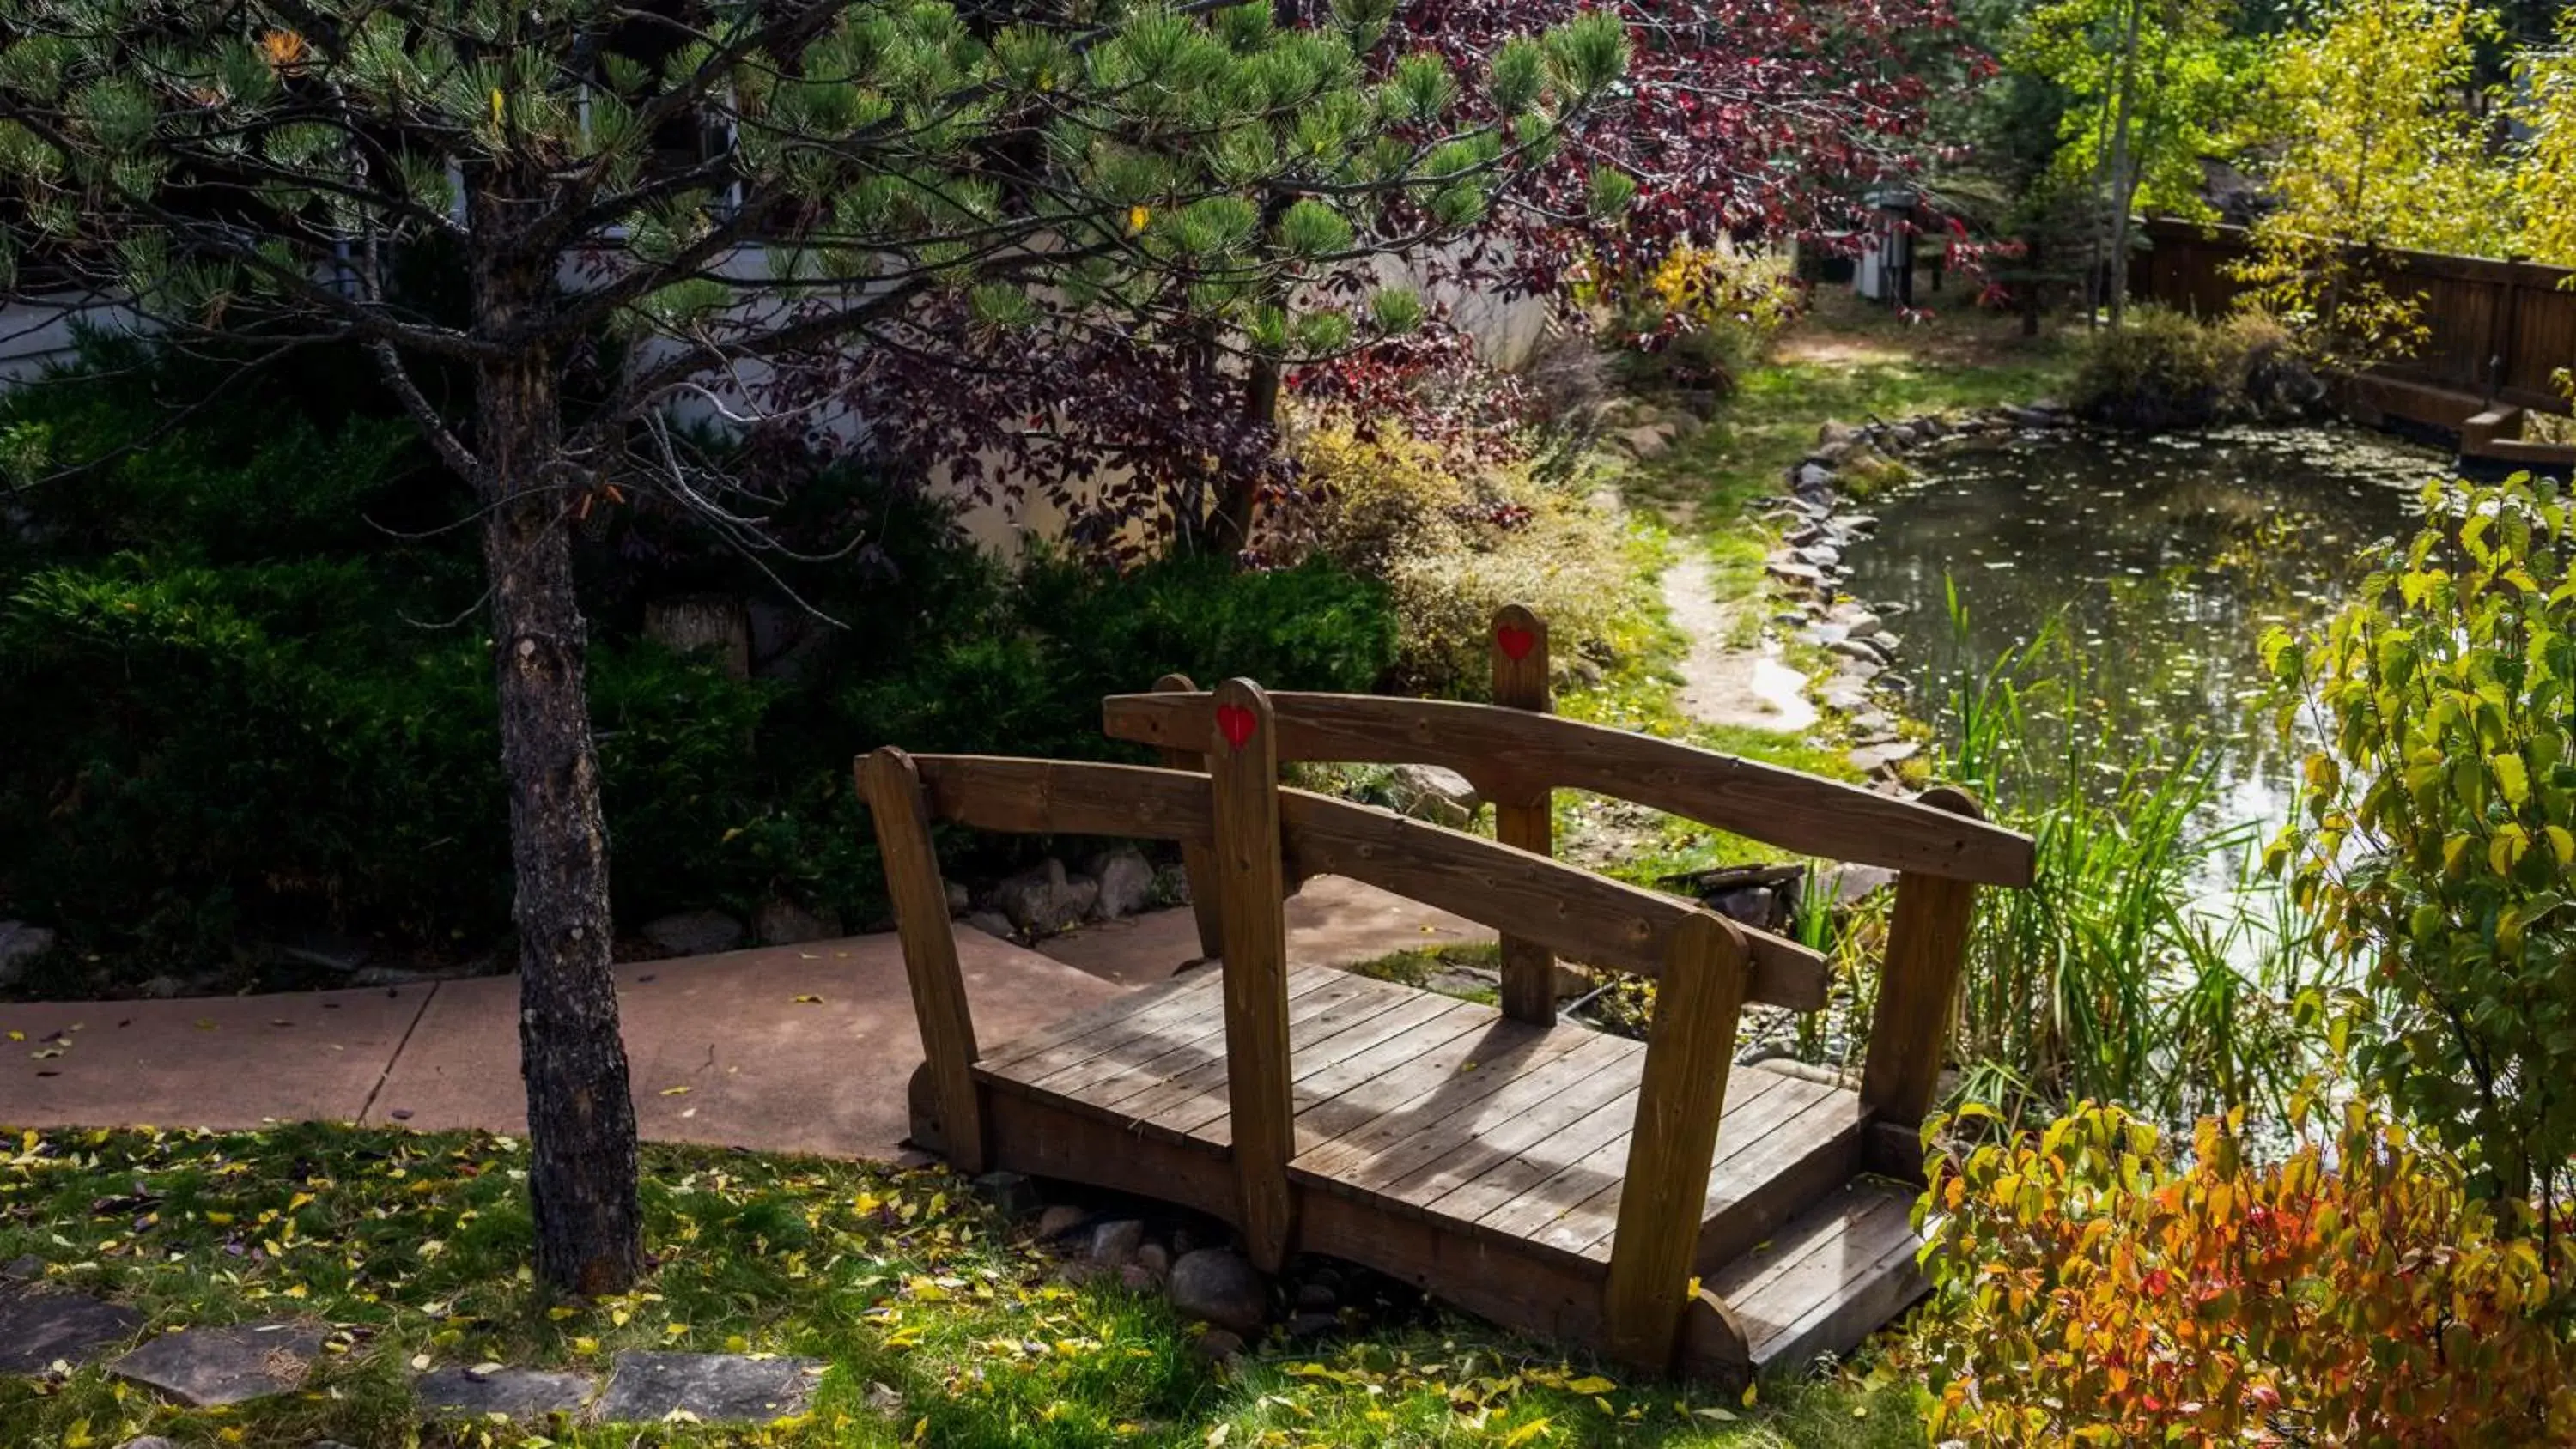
(2438, 828)
(630, 206)
(2545, 171)
(2374, 143)
(2149, 88)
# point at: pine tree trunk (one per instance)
(581, 1116)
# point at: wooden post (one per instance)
(1198, 862)
(1243, 760)
(1528, 820)
(892, 786)
(1918, 986)
(1679, 1097)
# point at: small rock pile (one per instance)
(1191, 1262)
(1819, 525)
(1049, 898)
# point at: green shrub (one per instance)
(240, 707)
(203, 748)
(2167, 370)
(2438, 825)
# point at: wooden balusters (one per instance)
(892, 788)
(1524, 815)
(1918, 988)
(1198, 861)
(1665, 1185)
(1243, 760)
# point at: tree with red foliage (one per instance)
(1750, 119)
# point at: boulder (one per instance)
(1832, 432)
(1813, 478)
(694, 933)
(1114, 1243)
(1646, 442)
(1042, 900)
(960, 900)
(1844, 884)
(991, 923)
(1434, 793)
(1871, 758)
(1126, 882)
(1216, 1285)
(785, 923)
(1305, 1327)
(1059, 1220)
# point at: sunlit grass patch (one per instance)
(940, 1324)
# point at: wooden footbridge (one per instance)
(1636, 1198)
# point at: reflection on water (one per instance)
(2165, 558)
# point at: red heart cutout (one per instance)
(1514, 641)
(1235, 723)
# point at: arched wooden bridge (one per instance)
(1639, 1199)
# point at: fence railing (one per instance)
(2499, 330)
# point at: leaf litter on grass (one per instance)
(941, 1325)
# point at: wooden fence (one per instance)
(2499, 330)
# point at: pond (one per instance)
(2162, 560)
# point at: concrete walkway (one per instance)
(784, 1048)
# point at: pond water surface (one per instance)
(2164, 560)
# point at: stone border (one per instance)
(1820, 522)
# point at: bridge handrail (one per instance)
(1512, 752)
(1571, 910)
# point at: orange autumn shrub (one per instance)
(2088, 1291)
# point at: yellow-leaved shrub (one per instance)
(1454, 537)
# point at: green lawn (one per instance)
(943, 1324)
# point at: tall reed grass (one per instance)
(2151, 963)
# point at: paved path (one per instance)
(785, 1048)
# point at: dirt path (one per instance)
(1723, 684)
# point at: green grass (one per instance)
(1846, 361)
(941, 1323)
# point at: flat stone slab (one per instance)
(38, 1329)
(203, 1367)
(462, 1393)
(718, 1388)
